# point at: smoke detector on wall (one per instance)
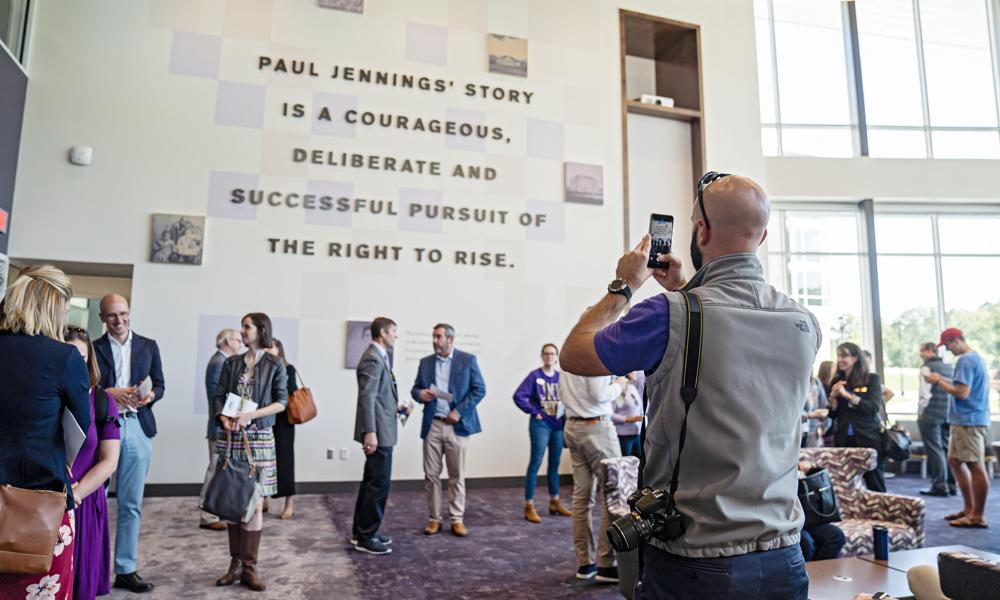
(81, 155)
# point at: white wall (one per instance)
(100, 75)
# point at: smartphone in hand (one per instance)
(661, 233)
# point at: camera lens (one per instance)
(626, 533)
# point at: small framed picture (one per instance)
(584, 183)
(354, 6)
(508, 55)
(177, 239)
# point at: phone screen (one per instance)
(661, 232)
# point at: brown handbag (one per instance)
(301, 407)
(29, 529)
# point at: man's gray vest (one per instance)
(738, 475)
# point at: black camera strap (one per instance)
(692, 371)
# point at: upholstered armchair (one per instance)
(862, 508)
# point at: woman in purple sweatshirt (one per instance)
(538, 395)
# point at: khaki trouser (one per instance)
(588, 444)
(441, 441)
(213, 456)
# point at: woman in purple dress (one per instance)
(94, 464)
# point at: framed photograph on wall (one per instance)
(177, 239)
(359, 337)
(584, 184)
(508, 55)
(354, 6)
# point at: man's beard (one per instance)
(696, 256)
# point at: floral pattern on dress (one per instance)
(65, 539)
(47, 588)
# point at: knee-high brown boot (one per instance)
(235, 540)
(248, 554)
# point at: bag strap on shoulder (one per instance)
(692, 372)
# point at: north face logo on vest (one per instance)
(802, 326)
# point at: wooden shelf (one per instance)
(667, 112)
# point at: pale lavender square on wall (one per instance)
(240, 104)
(337, 105)
(545, 139)
(420, 221)
(427, 44)
(460, 142)
(221, 187)
(195, 54)
(334, 189)
(553, 229)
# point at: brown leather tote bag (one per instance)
(29, 529)
(301, 407)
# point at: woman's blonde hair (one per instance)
(35, 303)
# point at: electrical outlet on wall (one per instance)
(329, 454)
(343, 454)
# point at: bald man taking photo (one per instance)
(126, 359)
(737, 480)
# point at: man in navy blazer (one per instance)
(126, 359)
(450, 386)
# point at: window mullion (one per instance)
(774, 71)
(938, 271)
(855, 85)
(993, 25)
(922, 71)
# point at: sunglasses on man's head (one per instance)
(703, 183)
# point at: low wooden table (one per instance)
(844, 578)
(903, 560)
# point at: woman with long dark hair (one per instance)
(856, 406)
(259, 377)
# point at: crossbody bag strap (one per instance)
(692, 372)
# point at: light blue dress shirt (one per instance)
(442, 373)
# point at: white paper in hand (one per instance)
(73, 436)
(232, 407)
(439, 393)
(145, 387)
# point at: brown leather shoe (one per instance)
(556, 508)
(217, 526)
(459, 529)
(530, 514)
(432, 528)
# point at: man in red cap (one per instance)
(969, 415)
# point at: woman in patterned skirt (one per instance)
(258, 377)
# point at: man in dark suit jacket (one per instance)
(227, 343)
(375, 429)
(126, 359)
(450, 386)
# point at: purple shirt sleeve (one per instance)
(637, 341)
(110, 430)
(524, 392)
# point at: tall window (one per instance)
(817, 258)
(928, 77)
(936, 271)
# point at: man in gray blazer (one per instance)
(227, 343)
(375, 429)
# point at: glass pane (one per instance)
(966, 144)
(830, 287)
(815, 141)
(908, 300)
(826, 232)
(765, 64)
(769, 141)
(904, 234)
(971, 235)
(895, 143)
(957, 58)
(972, 300)
(812, 72)
(776, 232)
(776, 271)
(12, 19)
(889, 62)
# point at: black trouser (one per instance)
(935, 433)
(874, 479)
(373, 493)
(284, 449)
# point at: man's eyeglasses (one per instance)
(703, 183)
